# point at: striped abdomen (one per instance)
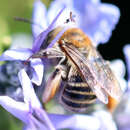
(76, 96)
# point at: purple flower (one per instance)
(23, 54)
(122, 114)
(96, 19)
(127, 57)
(30, 112)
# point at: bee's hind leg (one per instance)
(53, 83)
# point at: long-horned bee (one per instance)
(82, 74)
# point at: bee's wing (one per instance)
(97, 74)
(105, 76)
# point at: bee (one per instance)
(81, 75)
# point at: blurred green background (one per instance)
(8, 28)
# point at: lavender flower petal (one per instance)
(126, 50)
(110, 17)
(127, 56)
(30, 126)
(123, 121)
(96, 1)
(79, 122)
(96, 19)
(18, 109)
(28, 90)
(36, 124)
(43, 117)
(16, 54)
(39, 40)
(56, 6)
(38, 71)
(105, 118)
(99, 21)
(38, 18)
(57, 37)
(118, 67)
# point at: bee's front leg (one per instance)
(48, 53)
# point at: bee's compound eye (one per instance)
(57, 70)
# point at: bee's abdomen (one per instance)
(77, 96)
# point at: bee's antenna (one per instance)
(25, 20)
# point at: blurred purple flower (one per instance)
(127, 57)
(122, 114)
(123, 121)
(96, 19)
(30, 112)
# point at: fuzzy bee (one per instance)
(81, 75)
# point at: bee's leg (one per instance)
(112, 104)
(49, 53)
(53, 83)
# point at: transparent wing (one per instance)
(95, 71)
(105, 76)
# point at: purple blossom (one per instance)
(127, 57)
(24, 53)
(30, 112)
(96, 19)
(34, 117)
(122, 114)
